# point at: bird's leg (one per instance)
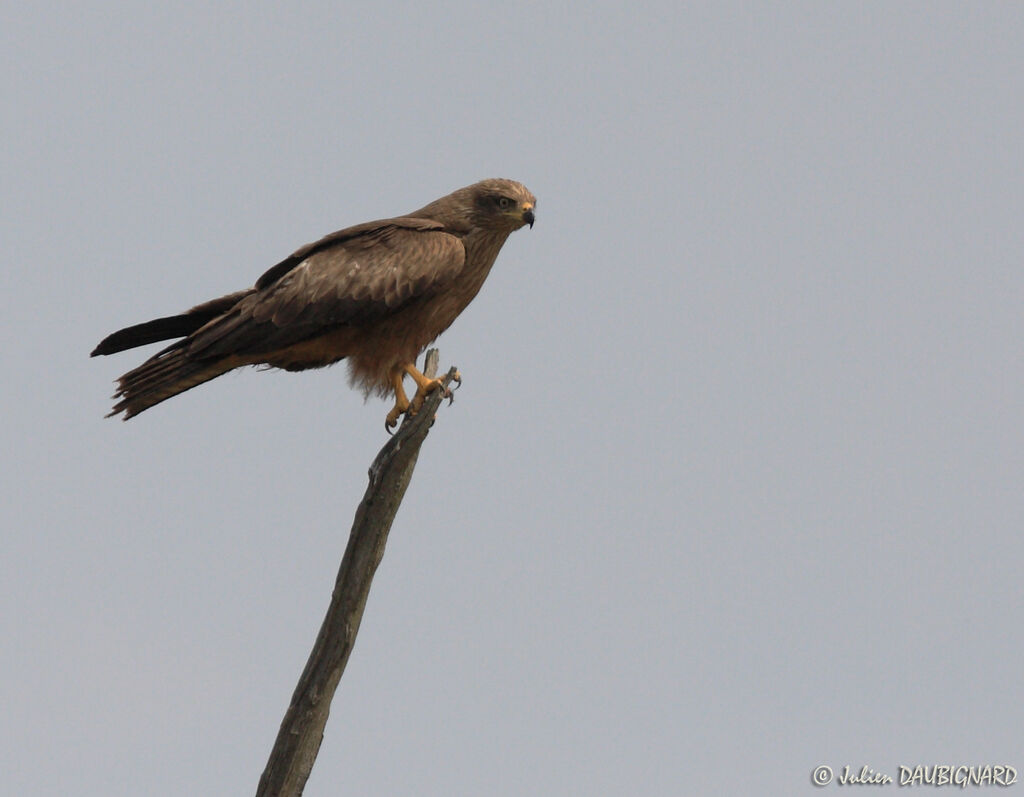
(424, 386)
(401, 400)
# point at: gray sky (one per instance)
(733, 485)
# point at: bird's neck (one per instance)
(482, 247)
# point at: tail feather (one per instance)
(172, 370)
(175, 326)
(167, 374)
(172, 326)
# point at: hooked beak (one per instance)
(528, 214)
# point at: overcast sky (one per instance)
(733, 485)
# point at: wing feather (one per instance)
(347, 278)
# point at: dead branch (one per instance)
(302, 729)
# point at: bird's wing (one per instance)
(350, 277)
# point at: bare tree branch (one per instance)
(302, 729)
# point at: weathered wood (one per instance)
(302, 730)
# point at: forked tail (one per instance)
(167, 374)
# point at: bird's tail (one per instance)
(172, 326)
(165, 375)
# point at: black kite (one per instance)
(376, 294)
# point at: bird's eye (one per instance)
(504, 202)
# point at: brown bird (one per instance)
(375, 294)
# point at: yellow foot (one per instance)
(424, 391)
(424, 387)
(391, 421)
(401, 400)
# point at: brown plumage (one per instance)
(376, 294)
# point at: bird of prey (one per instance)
(375, 294)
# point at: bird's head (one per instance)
(496, 205)
(502, 204)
